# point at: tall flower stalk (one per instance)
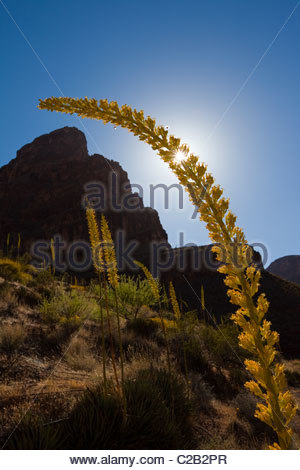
(276, 407)
(113, 279)
(97, 256)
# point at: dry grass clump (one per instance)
(79, 357)
(8, 300)
(12, 337)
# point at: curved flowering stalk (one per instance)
(269, 384)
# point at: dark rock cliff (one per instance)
(287, 267)
(42, 191)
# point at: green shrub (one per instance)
(132, 294)
(68, 308)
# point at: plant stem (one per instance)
(102, 333)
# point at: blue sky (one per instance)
(183, 62)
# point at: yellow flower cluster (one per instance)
(151, 281)
(109, 254)
(174, 302)
(230, 248)
(94, 236)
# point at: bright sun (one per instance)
(179, 156)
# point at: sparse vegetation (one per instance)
(12, 337)
(67, 308)
(151, 391)
(78, 355)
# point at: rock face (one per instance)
(42, 191)
(287, 267)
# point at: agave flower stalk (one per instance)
(97, 261)
(113, 278)
(97, 253)
(276, 407)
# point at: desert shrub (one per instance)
(160, 412)
(79, 357)
(100, 421)
(68, 308)
(150, 422)
(132, 294)
(12, 337)
(13, 270)
(31, 434)
(134, 347)
(142, 327)
(44, 283)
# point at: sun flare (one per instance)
(180, 156)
